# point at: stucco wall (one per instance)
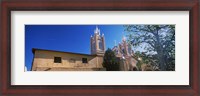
(45, 59)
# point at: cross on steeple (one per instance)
(115, 42)
(123, 37)
(97, 30)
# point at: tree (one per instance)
(145, 59)
(159, 40)
(110, 61)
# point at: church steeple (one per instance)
(123, 37)
(97, 42)
(97, 30)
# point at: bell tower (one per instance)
(97, 42)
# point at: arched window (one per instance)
(100, 44)
(123, 51)
(116, 52)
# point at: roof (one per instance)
(34, 49)
(114, 47)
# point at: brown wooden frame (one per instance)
(193, 89)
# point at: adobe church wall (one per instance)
(45, 59)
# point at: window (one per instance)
(57, 60)
(100, 44)
(123, 51)
(84, 60)
(116, 51)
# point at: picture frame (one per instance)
(96, 5)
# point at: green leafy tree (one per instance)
(159, 40)
(143, 58)
(110, 61)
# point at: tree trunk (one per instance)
(162, 64)
(161, 61)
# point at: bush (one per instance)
(110, 61)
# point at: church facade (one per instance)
(50, 60)
(124, 53)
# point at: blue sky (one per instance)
(69, 38)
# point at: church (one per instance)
(50, 60)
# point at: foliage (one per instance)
(158, 42)
(143, 58)
(110, 61)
